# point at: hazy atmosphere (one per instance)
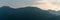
(29, 9)
(44, 4)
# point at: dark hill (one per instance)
(26, 13)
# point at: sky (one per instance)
(43, 4)
(16, 3)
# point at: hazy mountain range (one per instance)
(27, 13)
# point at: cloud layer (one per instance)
(48, 4)
(43, 4)
(16, 3)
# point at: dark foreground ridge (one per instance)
(27, 13)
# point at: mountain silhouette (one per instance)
(26, 13)
(6, 12)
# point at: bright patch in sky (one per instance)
(48, 4)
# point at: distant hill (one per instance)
(26, 13)
(54, 12)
